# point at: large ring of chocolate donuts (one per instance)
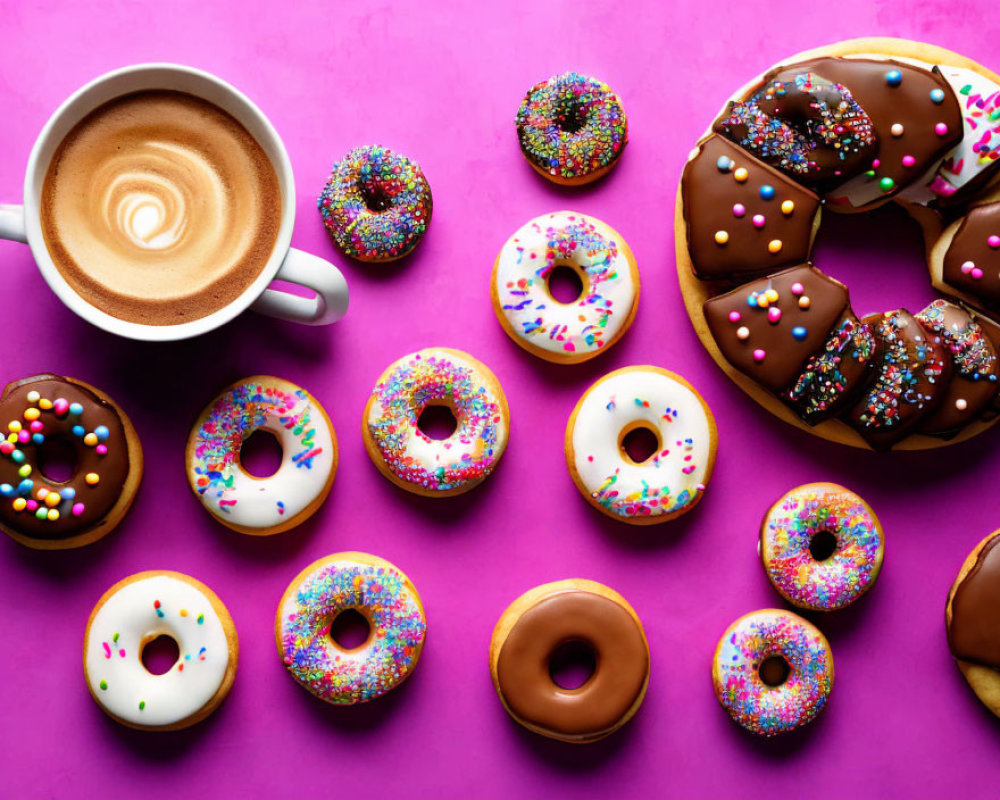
(847, 128)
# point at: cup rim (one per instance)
(277, 154)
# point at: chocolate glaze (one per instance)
(709, 196)
(113, 467)
(834, 377)
(992, 331)
(596, 707)
(974, 631)
(803, 124)
(974, 380)
(784, 330)
(908, 104)
(970, 247)
(911, 380)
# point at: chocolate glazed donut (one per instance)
(555, 614)
(48, 514)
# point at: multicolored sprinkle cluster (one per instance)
(47, 503)
(827, 119)
(971, 352)
(239, 412)
(583, 246)
(412, 385)
(981, 115)
(650, 500)
(788, 532)
(758, 707)
(376, 204)
(396, 619)
(570, 126)
(822, 382)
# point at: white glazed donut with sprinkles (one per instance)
(243, 501)
(130, 615)
(546, 327)
(673, 479)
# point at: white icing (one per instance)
(131, 615)
(565, 238)
(978, 97)
(667, 482)
(308, 454)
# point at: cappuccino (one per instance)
(160, 208)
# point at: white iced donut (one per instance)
(134, 612)
(243, 501)
(546, 327)
(673, 478)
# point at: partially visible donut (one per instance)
(50, 410)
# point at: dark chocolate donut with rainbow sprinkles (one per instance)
(75, 423)
(572, 129)
(376, 204)
(845, 129)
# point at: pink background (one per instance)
(442, 84)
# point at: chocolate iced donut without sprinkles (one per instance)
(49, 415)
(376, 204)
(572, 129)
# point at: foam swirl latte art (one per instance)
(160, 208)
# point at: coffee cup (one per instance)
(24, 224)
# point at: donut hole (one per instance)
(261, 454)
(160, 654)
(376, 198)
(572, 664)
(565, 284)
(437, 421)
(822, 545)
(571, 117)
(350, 629)
(639, 442)
(56, 459)
(774, 670)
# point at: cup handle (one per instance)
(12, 223)
(312, 272)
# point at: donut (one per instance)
(533, 318)
(845, 129)
(325, 589)
(134, 612)
(528, 635)
(376, 204)
(772, 671)
(53, 411)
(404, 454)
(572, 129)
(821, 546)
(244, 502)
(973, 623)
(673, 479)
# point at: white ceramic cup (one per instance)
(21, 223)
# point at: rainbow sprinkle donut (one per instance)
(772, 671)
(319, 594)
(243, 501)
(572, 129)
(822, 546)
(533, 318)
(405, 454)
(376, 204)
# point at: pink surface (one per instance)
(442, 84)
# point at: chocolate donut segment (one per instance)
(972, 262)
(912, 379)
(618, 681)
(744, 218)
(44, 408)
(974, 380)
(974, 630)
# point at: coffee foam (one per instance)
(160, 208)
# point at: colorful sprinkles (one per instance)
(392, 608)
(376, 204)
(769, 710)
(571, 126)
(789, 530)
